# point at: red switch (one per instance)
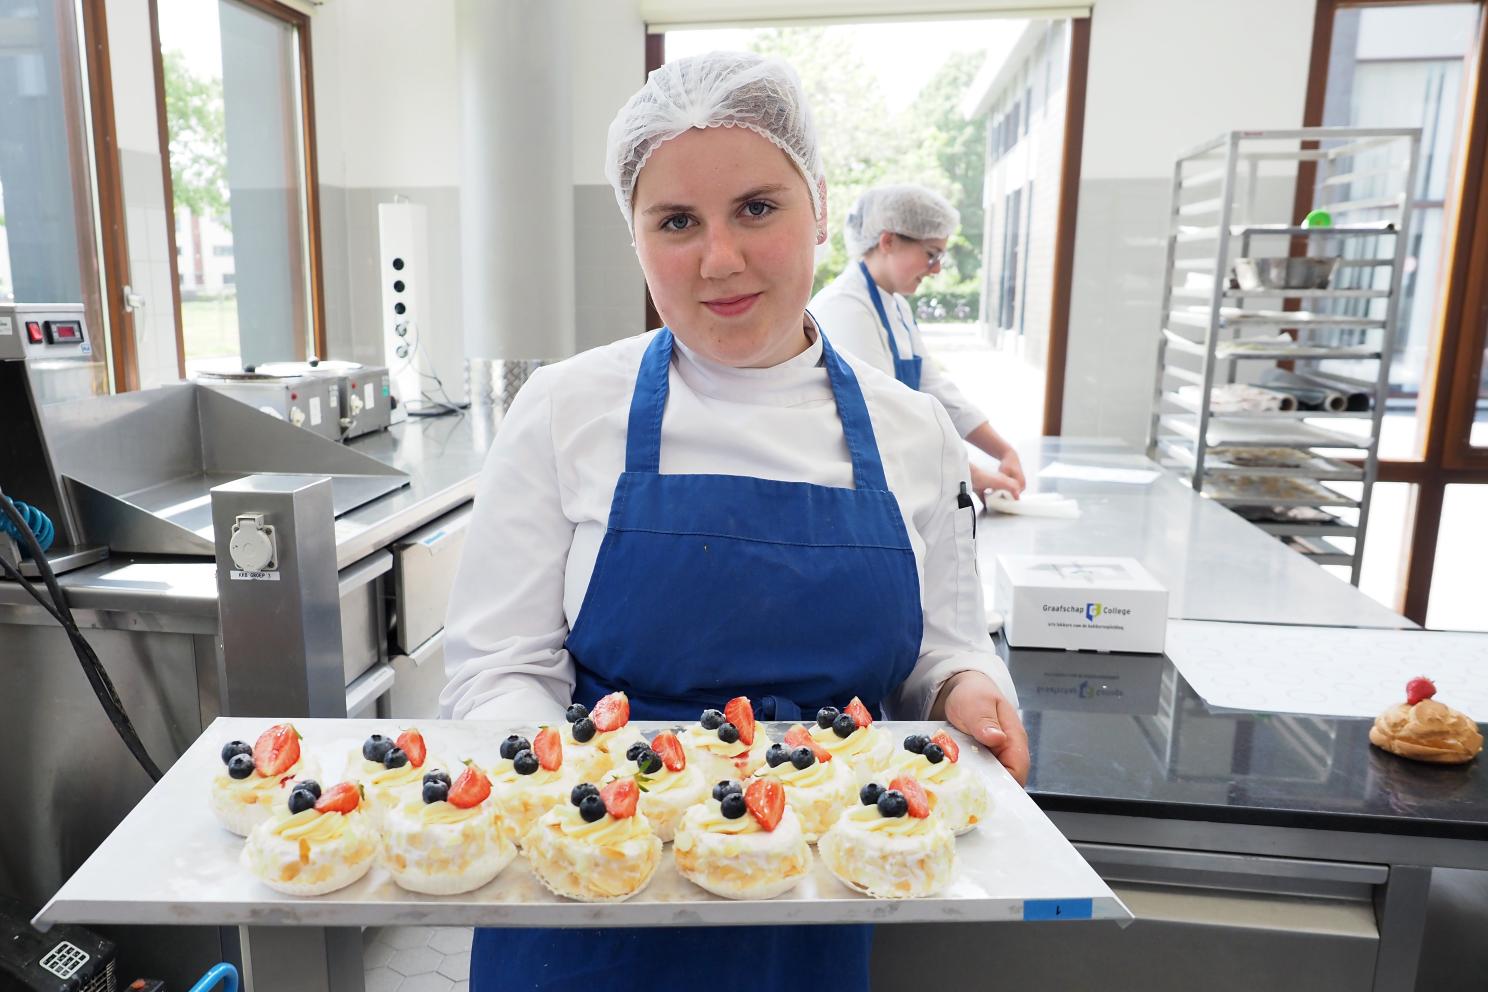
(33, 332)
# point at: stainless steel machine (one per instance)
(364, 392)
(310, 402)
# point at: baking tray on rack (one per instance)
(1271, 490)
(169, 862)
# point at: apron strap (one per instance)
(648, 403)
(883, 316)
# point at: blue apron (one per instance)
(906, 370)
(712, 586)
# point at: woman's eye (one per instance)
(676, 222)
(757, 208)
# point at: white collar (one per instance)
(800, 379)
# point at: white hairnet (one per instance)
(719, 89)
(910, 210)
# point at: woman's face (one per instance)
(725, 233)
(907, 261)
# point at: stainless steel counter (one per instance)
(1216, 565)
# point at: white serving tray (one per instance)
(169, 862)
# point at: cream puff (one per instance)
(743, 843)
(958, 794)
(726, 744)
(892, 846)
(390, 771)
(531, 778)
(253, 780)
(817, 787)
(669, 785)
(851, 737)
(598, 847)
(593, 740)
(312, 843)
(1423, 729)
(450, 839)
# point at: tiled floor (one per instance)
(417, 959)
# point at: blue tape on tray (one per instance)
(1056, 909)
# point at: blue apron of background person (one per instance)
(712, 586)
(906, 370)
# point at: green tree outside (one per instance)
(194, 113)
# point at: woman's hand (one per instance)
(974, 705)
(1012, 467)
(982, 480)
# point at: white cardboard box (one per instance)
(1081, 602)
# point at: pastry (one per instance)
(390, 771)
(312, 843)
(851, 737)
(594, 739)
(597, 847)
(743, 843)
(669, 786)
(817, 787)
(1423, 729)
(449, 839)
(530, 779)
(254, 779)
(958, 794)
(892, 845)
(726, 744)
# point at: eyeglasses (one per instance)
(933, 256)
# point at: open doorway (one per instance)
(974, 109)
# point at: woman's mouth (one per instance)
(731, 306)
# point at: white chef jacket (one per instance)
(544, 495)
(846, 312)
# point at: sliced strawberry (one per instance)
(859, 712)
(1419, 688)
(341, 798)
(412, 743)
(765, 798)
(276, 750)
(620, 797)
(799, 736)
(951, 748)
(548, 746)
(669, 748)
(738, 712)
(914, 794)
(470, 789)
(612, 712)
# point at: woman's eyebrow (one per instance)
(667, 208)
(769, 189)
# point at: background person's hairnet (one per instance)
(719, 89)
(910, 210)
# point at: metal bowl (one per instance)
(1257, 274)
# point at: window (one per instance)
(1008, 297)
(242, 180)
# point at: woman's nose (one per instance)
(722, 256)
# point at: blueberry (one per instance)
(892, 803)
(435, 791)
(725, 787)
(582, 790)
(711, 719)
(301, 800)
(376, 747)
(728, 733)
(778, 754)
(437, 775)
(868, 794)
(584, 730)
(844, 726)
(648, 761)
(525, 762)
(576, 712)
(826, 716)
(733, 805)
(309, 785)
(633, 753)
(592, 808)
(395, 758)
(513, 744)
(934, 753)
(229, 751)
(802, 757)
(916, 743)
(240, 765)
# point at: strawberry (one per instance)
(470, 789)
(669, 748)
(548, 747)
(412, 743)
(342, 798)
(765, 799)
(798, 736)
(859, 712)
(951, 748)
(276, 750)
(620, 797)
(914, 794)
(1419, 688)
(738, 712)
(611, 713)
